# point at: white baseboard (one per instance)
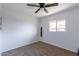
(18, 47)
(59, 46)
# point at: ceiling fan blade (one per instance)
(33, 5)
(37, 10)
(45, 10)
(49, 5)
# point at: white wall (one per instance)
(0, 8)
(0, 31)
(69, 39)
(0, 42)
(19, 28)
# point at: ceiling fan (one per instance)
(42, 5)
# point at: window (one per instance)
(58, 25)
(52, 26)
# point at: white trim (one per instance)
(59, 46)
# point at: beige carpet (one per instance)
(39, 49)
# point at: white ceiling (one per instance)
(23, 8)
(51, 10)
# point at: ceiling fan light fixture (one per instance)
(42, 5)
